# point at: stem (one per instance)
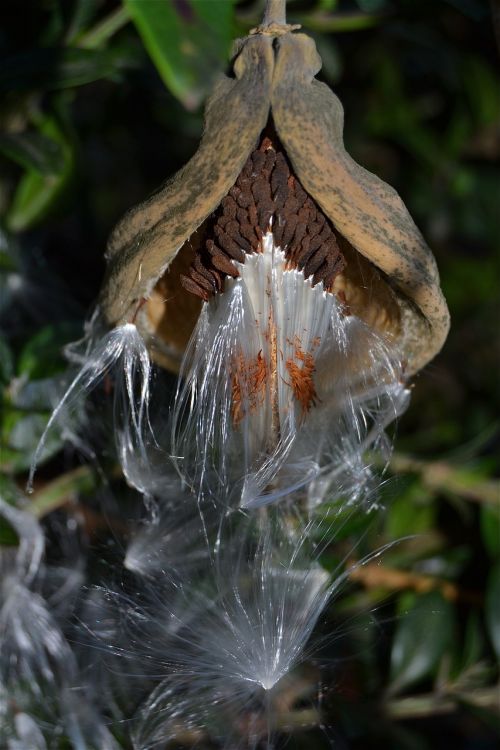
(420, 706)
(60, 491)
(374, 575)
(340, 22)
(440, 476)
(275, 13)
(95, 37)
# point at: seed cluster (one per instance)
(266, 196)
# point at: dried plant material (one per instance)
(294, 174)
(371, 216)
(144, 243)
(301, 368)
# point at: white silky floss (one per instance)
(41, 687)
(281, 387)
(123, 356)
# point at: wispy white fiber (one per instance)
(27, 734)
(121, 357)
(174, 546)
(31, 546)
(279, 386)
(42, 693)
(228, 641)
(212, 603)
(257, 607)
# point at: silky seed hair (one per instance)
(266, 197)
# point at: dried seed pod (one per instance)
(342, 225)
(146, 241)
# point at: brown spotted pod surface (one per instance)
(272, 157)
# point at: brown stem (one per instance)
(275, 13)
(373, 575)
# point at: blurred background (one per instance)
(101, 101)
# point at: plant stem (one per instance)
(439, 476)
(275, 13)
(373, 575)
(94, 38)
(57, 493)
(324, 22)
(433, 704)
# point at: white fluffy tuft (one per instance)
(280, 387)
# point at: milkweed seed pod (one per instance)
(388, 275)
(311, 292)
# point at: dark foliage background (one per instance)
(101, 102)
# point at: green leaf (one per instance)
(33, 151)
(42, 356)
(37, 193)
(9, 492)
(188, 41)
(492, 608)
(371, 6)
(98, 36)
(6, 362)
(490, 529)
(413, 513)
(82, 15)
(473, 645)
(8, 537)
(60, 68)
(23, 437)
(327, 4)
(422, 637)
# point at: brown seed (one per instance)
(191, 286)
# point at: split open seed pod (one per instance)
(272, 157)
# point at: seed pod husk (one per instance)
(390, 280)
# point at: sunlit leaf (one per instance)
(422, 636)
(188, 41)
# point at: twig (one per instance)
(101, 32)
(434, 704)
(439, 476)
(62, 490)
(373, 575)
(340, 22)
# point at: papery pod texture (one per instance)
(274, 81)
